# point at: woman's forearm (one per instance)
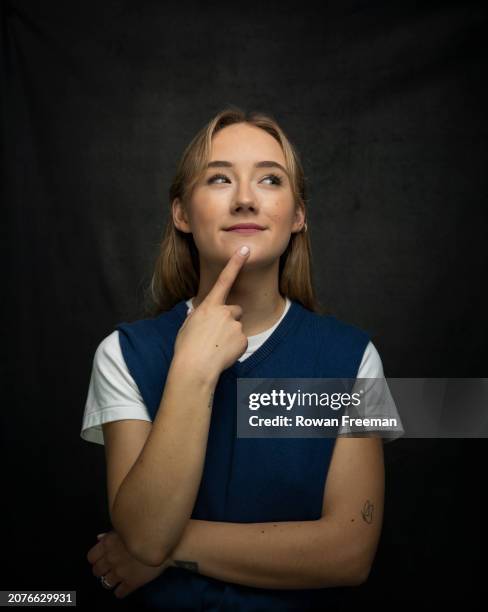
(276, 555)
(156, 499)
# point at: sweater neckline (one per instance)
(239, 368)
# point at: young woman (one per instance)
(203, 519)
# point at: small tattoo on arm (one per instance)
(367, 511)
(191, 566)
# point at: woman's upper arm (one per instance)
(115, 414)
(124, 441)
(354, 493)
(112, 393)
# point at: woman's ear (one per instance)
(180, 218)
(299, 221)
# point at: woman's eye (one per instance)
(216, 176)
(275, 178)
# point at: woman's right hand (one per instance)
(211, 339)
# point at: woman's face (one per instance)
(242, 193)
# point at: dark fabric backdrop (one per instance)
(386, 101)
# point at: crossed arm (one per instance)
(336, 550)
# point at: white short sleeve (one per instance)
(113, 394)
(372, 367)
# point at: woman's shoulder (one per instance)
(108, 361)
(333, 326)
(108, 349)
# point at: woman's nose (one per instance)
(244, 197)
(246, 204)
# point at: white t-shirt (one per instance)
(113, 394)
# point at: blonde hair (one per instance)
(177, 271)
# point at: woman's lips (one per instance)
(245, 230)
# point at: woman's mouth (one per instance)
(245, 230)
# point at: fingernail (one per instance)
(100, 535)
(244, 250)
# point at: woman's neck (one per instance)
(259, 312)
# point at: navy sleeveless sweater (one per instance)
(247, 480)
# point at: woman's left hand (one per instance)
(110, 558)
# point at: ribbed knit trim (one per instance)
(295, 313)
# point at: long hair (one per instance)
(177, 271)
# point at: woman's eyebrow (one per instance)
(261, 164)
